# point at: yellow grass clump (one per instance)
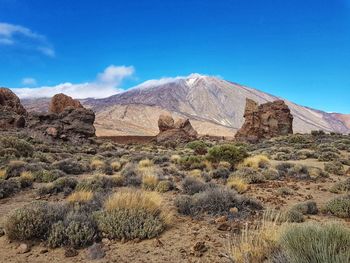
(256, 161)
(2, 173)
(82, 196)
(116, 166)
(175, 158)
(238, 184)
(27, 175)
(150, 181)
(195, 173)
(145, 163)
(97, 164)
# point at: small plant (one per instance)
(150, 182)
(192, 185)
(284, 191)
(69, 166)
(249, 175)
(307, 208)
(228, 153)
(199, 147)
(132, 214)
(256, 162)
(15, 168)
(164, 186)
(97, 164)
(341, 187)
(334, 167)
(191, 162)
(116, 166)
(339, 206)
(238, 184)
(81, 196)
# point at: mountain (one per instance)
(213, 105)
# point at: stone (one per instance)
(199, 248)
(23, 248)
(224, 227)
(172, 132)
(96, 251)
(12, 112)
(70, 252)
(265, 121)
(60, 102)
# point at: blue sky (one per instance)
(299, 50)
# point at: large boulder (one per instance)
(74, 125)
(60, 102)
(172, 132)
(265, 121)
(12, 113)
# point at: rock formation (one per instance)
(180, 131)
(265, 121)
(60, 102)
(12, 113)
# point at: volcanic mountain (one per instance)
(214, 106)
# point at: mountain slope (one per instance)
(213, 105)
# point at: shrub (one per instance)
(33, 221)
(97, 164)
(283, 168)
(175, 158)
(63, 184)
(311, 242)
(299, 172)
(26, 179)
(98, 183)
(228, 153)
(249, 175)
(132, 214)
(214, 201)
(327, 156)
(81, 196)
(220, 173)
(199, 147)
(339, 206)
(334, 167)
(150, 182)
(69, 166)
(8, 187)
(15, 168)
(292, 216)
(192, 185)
(76, 230)
(340, 187)
(131, 175)
(307, 208)
(270, 174)
(238, 184)
(191, 162)
(164, 186)
(116, 166)
(256, 162)
(146, 163)
(284, 191)
(21, 147)
(45, 176)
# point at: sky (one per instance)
(296, 49)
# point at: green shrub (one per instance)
(164, 186)
(33, 221)
(63, 184)
(15, 168)
(69, 166)
(191, 162)
(214, 201)
(21, 147)
(227, 153)
(199, 147)
(315, 243)
(339, 206)
(341, 187)
(45, 176)
(292, 216)
(334, 167)
(76, 230)
(307, 208)
(249, 175)
(98, 183)
(327, 156)
(191, 185)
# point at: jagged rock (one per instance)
(265, 121)
(60, 102)
(12, 113)
(72, 124)
(165, 122)
(180, 131)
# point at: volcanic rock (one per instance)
(265, 121)
(180, 131)
(12, 113)
(60, 102)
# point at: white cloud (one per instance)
(29, 81)
(106, 84)
(11, 35)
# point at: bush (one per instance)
(220, 173)
(327, 156)
(21, 147)
(228, 153)
(214, 201)
(76, 230)
(45, 176)
(164, 186)
(334, 167)
(98, 183)
(199, 147)
(15, 168)
(256, 162)
(191, 162)
(341, 187)
(292, 216)
(238, 184)
(69, 166)
(192, 185)
(249, 175)
(63, 184)
(315, 243)
(307, 208)
(9, 187)
(33, 221)
(132, 214)
(339, 206)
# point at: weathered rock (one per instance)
(23, 248)
(265, 121)
(72, 124)
(12, 113)
(165, 122)
(180, 131)
(60, 102)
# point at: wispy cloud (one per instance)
(107, 83)
(23, 37)
(29, 81)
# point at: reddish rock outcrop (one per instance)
(180, 131)
(12, 113)
(265, 121)
(60, 102)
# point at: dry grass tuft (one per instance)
(97, 164)
(26, 175)
(116, 166)
(238, 184)
(145, 163)
(175, 158)
(82, 196)
(2, 174)
(195, 173)
(256, 162)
